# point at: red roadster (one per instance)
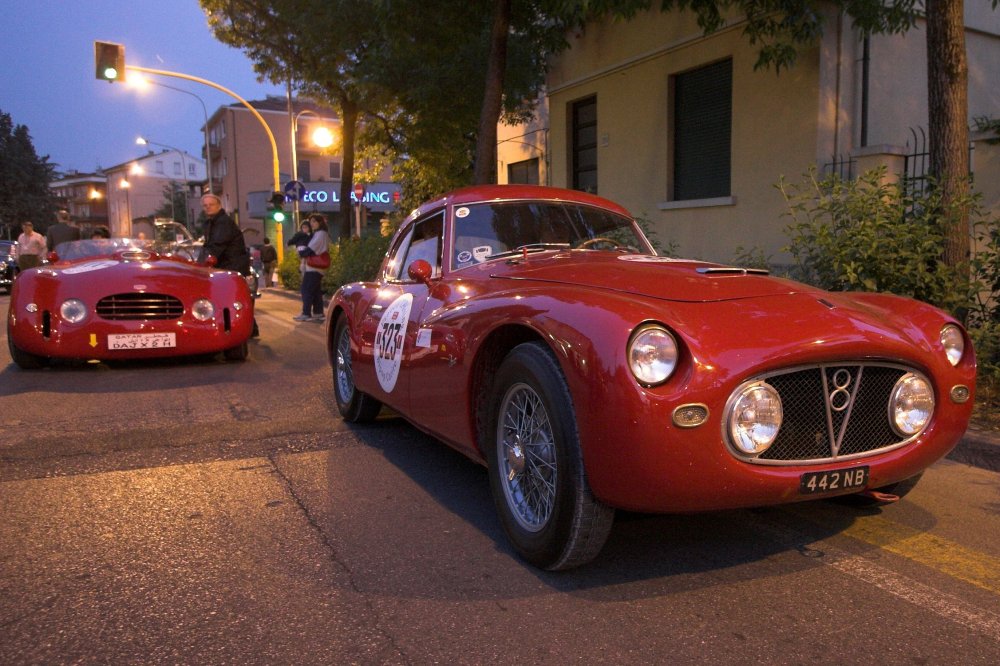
(537, 331)
(126, 299)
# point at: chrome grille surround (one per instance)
(139, 306)
(832, 412)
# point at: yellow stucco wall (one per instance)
(628, 66)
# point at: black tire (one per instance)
(23, 359)
(237, 353)
(539, 486)
(354, 405)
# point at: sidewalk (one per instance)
(979, 448)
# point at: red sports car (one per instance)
(126, 299)
(537, 331)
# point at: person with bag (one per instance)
(315, 261)
(269, 259)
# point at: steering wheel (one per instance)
(600, 239)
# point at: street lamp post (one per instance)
(142, 141)
(322, 137)
(204, 110)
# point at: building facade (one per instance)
(243, 161)
(84, 196)
(139, 187)
(682, 130)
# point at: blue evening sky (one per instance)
(47, 77)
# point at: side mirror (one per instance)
(211, 261)
(420, 271)
(53, 257)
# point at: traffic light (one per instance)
(276, 211)
(109, 61)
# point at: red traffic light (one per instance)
(109, 61)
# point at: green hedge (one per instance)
(353, 260)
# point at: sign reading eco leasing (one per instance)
(324, 197)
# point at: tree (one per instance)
(24, 180)
(316, 45)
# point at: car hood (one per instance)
(107, 271)
(653, 277)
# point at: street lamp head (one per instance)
(141, 141)
(322, 137)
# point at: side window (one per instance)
(423, 241)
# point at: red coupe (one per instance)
(126, 299)
(537, 331)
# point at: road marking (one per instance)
(920, 594)
(946, 556)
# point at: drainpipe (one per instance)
(865, 66)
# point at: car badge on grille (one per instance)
(139, 287)
(840, 398)
(841, 389)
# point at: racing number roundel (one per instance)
(389, 341)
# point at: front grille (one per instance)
(833, 411)
(139, 306)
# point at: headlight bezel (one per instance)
(893, 407)
(732, 406)
(952, 340)
(73, 311)
(644, 372)
(198, 309)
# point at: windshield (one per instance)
(491, 230)
(6, 249)
(103, 247)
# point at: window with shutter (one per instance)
(584, 147)
(702, 130)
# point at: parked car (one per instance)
(537, 331)
(126, 299)
(8, 264)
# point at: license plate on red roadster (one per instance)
(123, 341)
(833, 480)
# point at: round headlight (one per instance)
(73, 311)
(911, 404)
(652, 355)
(203, 310)
(953, 342)
(755, 418)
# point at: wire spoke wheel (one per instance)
(527, 456)
(343, 374)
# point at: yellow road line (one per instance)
(946, 556)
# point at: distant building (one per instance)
(681, 129)
(84, 196)
(139, 187)
(243, 161)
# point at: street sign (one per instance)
(295, 190)
(359, 191)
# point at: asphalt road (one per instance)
(212, 512)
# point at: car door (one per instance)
(390, 326)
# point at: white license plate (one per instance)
(126, 341)
(854, 478)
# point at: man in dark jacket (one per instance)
(223, 239)
(61, 232)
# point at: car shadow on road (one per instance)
(668, 553)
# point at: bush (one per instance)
(870, 235)
(288, 269)
(355, 260)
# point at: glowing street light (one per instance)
(140, 82)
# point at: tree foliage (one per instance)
(24, 180)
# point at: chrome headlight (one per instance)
(73, 310)
(911, 404)
(953, 342)
(755, 416)
(652, 355)
(203, 310)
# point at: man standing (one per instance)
(30, 247)
(224, 241)
(269, 258)
(62, 231)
